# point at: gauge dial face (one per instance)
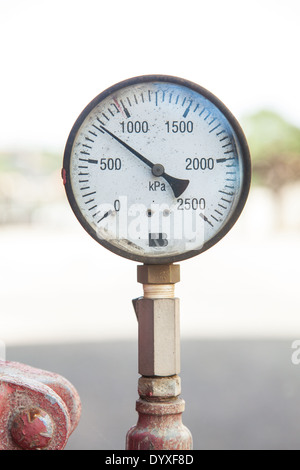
(156, 169)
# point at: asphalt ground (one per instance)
(239, 394)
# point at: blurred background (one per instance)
(59, 289)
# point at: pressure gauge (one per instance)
(156, 169)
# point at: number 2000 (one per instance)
(199, 163)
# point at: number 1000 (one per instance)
(135, 127)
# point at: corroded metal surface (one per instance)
(159, 388)
(159, 427)
(160, 409)
(32, 429)
(38, 409)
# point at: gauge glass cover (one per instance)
(157, 169)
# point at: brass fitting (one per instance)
(158, 273)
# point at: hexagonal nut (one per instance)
(159, 337)
(158, 274)
(159, 387)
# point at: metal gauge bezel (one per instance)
(245, 154)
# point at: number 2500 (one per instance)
(191, 203)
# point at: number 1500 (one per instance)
(179, 126)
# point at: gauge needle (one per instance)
(178, 186)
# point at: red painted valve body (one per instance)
(38, 409)
(159, 427)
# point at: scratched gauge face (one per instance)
(156, 169)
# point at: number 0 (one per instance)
(117, 205)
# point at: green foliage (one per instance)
(269, 135)
(275, 149)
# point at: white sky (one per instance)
(57, 55)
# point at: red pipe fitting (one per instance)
(38, 409)
(159, 427)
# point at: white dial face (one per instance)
(155, 170)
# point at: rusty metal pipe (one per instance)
(159, 407)
(38, 409)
